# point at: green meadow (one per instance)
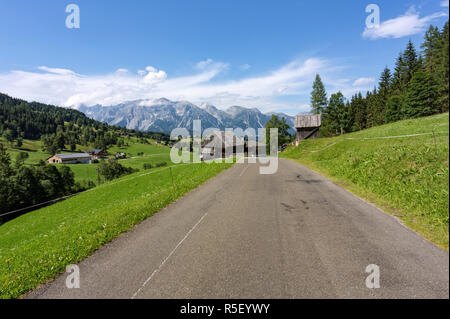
(37, 246)
(407, 176)
(88, 172)
(134, 147)
(152, 153)
(33, 148)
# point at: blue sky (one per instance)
(253, 53)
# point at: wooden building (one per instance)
(76, 158)
(96, 154)
(221, 142)
(225, 143)
(307, 126)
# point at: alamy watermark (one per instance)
(214, 145)
(373, 280)
(373, 19)
(73, 279)
(73, 19)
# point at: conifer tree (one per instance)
(359, 107)
(318, 96)
(394, 107)
(384, 90)
(442, 70)
(399, 78)
(411, 61)
(385, 81)
(421, 99)
(334, 121)
(431, 48)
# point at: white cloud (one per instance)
(56, 70)
(444, 3)
(122, 71)
(363, 81)
(405, 25)
(285, 88)
(245, 66)
(154, 76)
(208, 63)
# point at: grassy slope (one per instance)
(37, 246)
(84, 172)
(407, 176)
(33, 148)
(153, 153)
(134, 147)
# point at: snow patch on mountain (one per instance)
(163, 115)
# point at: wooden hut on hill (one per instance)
(307, 126)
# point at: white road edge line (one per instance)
(243, 171)
(167, 258)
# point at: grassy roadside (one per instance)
(405, 176)
(39, 245)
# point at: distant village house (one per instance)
(121, 155)
(77, 158)
(96, 154)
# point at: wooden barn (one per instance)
(307, 126)
(76, 158)
(226, 142)
(219, 141)
(96, 154)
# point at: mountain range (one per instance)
(163, 115)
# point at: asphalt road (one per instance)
(293, 234)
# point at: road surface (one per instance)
(293, 234)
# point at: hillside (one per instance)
(37, 246)
(151, 153)
(163, 115)
(31, 120)
(35, 119)
(407, 176)
(30, 132)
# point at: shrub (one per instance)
(112, 169)
(83, 185)
(161, 164)
(148, 166)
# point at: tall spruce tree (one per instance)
(410, 59)
(385, 81)
(443, 70)
(399, 78)
(394, 107)
(431, 48)
(372, 99)
(384, 91)
(359, 109)
(318, 96)
(334, 119)
(421, 99)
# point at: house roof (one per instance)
(73, 156)
(303, 120)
